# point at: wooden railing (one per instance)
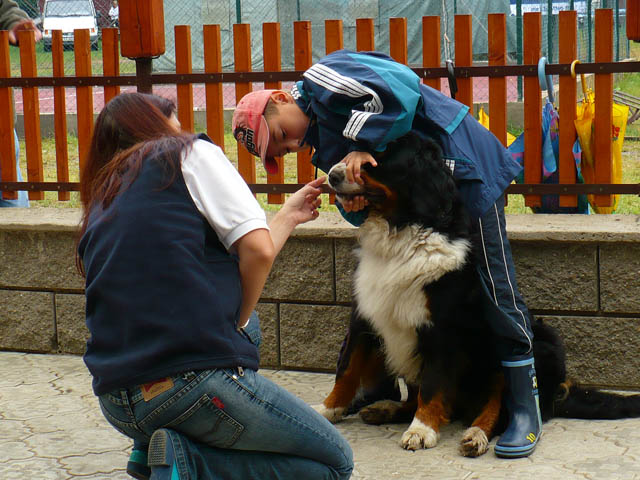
(431, 71)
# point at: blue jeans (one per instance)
(234, 424)
(23, 197)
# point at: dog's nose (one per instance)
(335, 177)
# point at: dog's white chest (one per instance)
(392, 271)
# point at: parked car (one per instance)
(69, 15)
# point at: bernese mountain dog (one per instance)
(418, 315)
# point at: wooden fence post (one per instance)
(32, 136)
(431, 47)
(213, 91)
(183, 65)
(84, 95)
(567, 53)
(272, 51)
(7, 144)
(532, 28)
(398, 40)
(242, 61)
(60, 113)
(498, 85)
(302, 61)
(142, 36)
(365, 35)
(603, 90)
(464, 58)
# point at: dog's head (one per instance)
(411, 184)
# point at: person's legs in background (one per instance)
(23, 197)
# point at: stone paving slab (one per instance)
(51, 428)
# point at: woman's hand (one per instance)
(354, 161)
(303, 205)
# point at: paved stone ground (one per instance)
(51, 428)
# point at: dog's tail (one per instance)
(574, 401)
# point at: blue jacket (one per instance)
(163, 295)
(362, 101)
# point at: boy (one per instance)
(349, 104)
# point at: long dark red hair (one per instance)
(129, 129)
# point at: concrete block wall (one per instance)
(581, 273)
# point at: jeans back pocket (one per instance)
(207, 422)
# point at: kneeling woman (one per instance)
(176, 251)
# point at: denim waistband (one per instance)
(132, 395)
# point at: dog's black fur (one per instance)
(412, 185)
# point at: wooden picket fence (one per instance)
(432, 72)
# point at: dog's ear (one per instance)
(433, 188)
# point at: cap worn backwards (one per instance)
(250, 127)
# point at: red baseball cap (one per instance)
(250, 127)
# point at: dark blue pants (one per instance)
(508, 315)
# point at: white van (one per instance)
(69, 15)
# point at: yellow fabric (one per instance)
(584, 128)
(483, 118)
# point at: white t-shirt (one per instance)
(220, 193)
(114, 12)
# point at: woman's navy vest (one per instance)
(162, 293)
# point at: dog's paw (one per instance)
(334, 415)
(474, 442)
(383, 411)
(418, 436)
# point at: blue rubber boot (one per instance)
(525, 422)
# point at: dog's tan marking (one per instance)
(434, 413)
(475, 440)
(363, 369)
(425, 427)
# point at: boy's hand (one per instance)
(354, 161)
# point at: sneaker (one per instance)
(162, 456)
(137, 465)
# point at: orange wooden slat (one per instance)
(31, 107)
(333, 41)
(7, 145)
(302, 61)
(110, 61)
(242, 60)
(60, 113)
(213, 91)
(183, 65)
(532, 31)
(633, 20)
(464, 58)
(398, 40)
(603, 90)
(567, 53)
(333, 36)
(498, 85)
(365, 35)
(84, 95)
(431, 47)
(273, 63)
